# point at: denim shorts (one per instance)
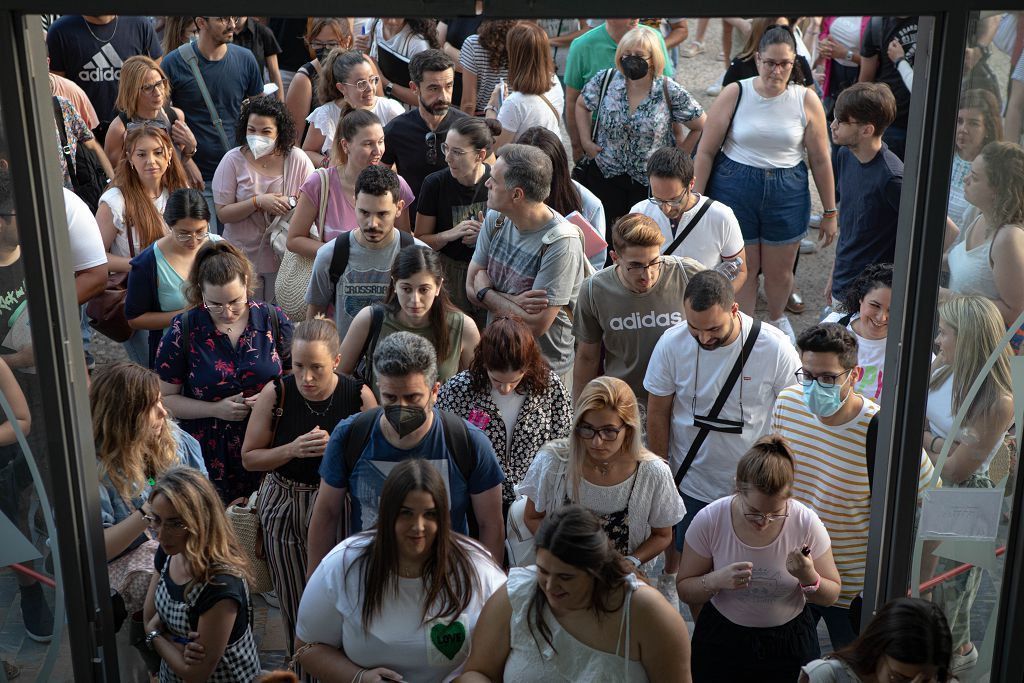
(773, 205)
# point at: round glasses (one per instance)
(364, 84)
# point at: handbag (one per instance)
(277, 231)
(85, 171)
(583, 171)
(519, 546)
(106, 309)
(296, 270)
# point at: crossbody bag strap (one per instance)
(608, 74)
(321, 215)
(689, 227)
(188, 53)
(65, 148)
(723, 396)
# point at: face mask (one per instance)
(822, 401)
(321, 54)
(634, 67)
(260, 145)
(405, 419)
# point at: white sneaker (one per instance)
(962, 663)
(815, 221)
(713, 90)
(784, 325)
(808, 246)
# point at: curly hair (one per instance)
(1004, 165)
(874, 276)
(271, 107)
(492, 34)
(507, 344)
(426, 29)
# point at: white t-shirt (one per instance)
(508, 407)
(940, 417)
(674, 370)
(84, 233)
(325, 118)
(870, 358)
(431, 652)
(768, 132)
(115, 200)
(519, 112)
(717, 235)
(405, 42)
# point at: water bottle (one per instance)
(730, 268)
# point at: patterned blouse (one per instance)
(75, 130)
(628, 140)
(543, 417)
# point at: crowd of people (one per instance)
(469, 308)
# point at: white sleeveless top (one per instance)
(570, 660)
(768, 132)
(970, 271)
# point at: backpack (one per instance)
(87, 175)
(342, 249)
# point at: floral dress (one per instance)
(208, 369)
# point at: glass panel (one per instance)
(976, 377)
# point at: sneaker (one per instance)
(815, 221)
(784, 325)
(692, 50)
(713, 90)
(962, 663)
(667, 587)
(808, 246)
(36, 614)
(271, 598)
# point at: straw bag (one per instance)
(296, 271)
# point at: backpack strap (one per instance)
(358, 436)
(278, 411)
(870, 446)
(456, 436)
(339, 259)
(188, 53)
(845, 320)
(377, 312)
(608, 74)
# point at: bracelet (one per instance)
(298, 653)
(491, 107)
(931, 447)
(704, 585)
(830, 213)
(359, 676)
(255, 206)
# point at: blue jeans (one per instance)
(837, 621)
(693, 506)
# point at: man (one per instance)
(593, 52)
(89, 51)
(686, 379)
(869, 178)
(876, 66)
(231, 75)
(826, 424)
(529, 260)
(626, 307)
(412, 141)
(693, 225)
(361, 279)
(408, 426)
(260, 40)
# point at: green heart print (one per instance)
(448, 638)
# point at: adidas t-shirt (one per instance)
(91, 55)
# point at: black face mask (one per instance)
(634, 67)
(405, 419)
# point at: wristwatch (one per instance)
(633, 561)
(151, 636)
(388, 89)
(849, 55)
(482, 293)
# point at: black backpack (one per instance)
(87, 174)
(343, 246)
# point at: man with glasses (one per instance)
(693, 225)
(230, 74)
(626, 307)
(827, 424)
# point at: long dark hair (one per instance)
(186, 203)
(450, 578)
(412, 260)
(564, 196)
(508, 344)
(575, 536)
(910, 630)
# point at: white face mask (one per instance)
(260, 145)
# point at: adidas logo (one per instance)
(105, 65)
(636, 321)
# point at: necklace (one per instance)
(409, 572)
(97, 38)
(602, 466)
(319, 413)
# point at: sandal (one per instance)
(693, 49)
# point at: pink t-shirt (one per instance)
(341, 214)
(774, 596)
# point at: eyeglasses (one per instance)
(586, 432)
(772, 65)
(224, 20)
(455, 151)
(154, 125)
(187, 237)
(316, 46)
(825, 381)
(150, 87)
(653, 266)
(233, 307)
(431, 139)
(762, 517)
(364, 84)
(669, 203)
(176, 527)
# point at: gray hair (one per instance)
(529, 168)
(405, 353)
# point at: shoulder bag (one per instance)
(106, 309)
(296, 270)
(584, 169)
(86, 173)
(277, 231)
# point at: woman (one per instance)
(641, 111)
(567, 195)
(989, 260)
(349, 80)
(323, 36)
(751, 563)
(580, 614)
(839, 51)
(200, 594)
(605, 468)
(970, 331)
(285, 438)
(510, 392)
(174, 31)
(257, 182)
(484, 60)
(405, 38)
(360, 143)
(452, 204)
(129, 214)
(977, 123)
(534, 96)
(763, 125)
(400, 602)
(907, 640)
(144, 94)
(865, 308)
(216, 356)
(416, 302)
(745, 64)
(135, 444)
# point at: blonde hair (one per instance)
(636, 230)
(121, 396)
(211, 547)
(642, 37)
(767, 467)
(319, 329)
(139, 211)
(133, 74)
(343, 29)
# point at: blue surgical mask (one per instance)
(823, 401)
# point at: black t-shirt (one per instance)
(747, 68)
(13, 308)
(221, 587)
(290, 34)
(405, 145)
(452, 202)
(260, 40)
(889, 28)
(460, 28)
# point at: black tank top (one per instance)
(299, 417)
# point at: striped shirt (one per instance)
(832, 479)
